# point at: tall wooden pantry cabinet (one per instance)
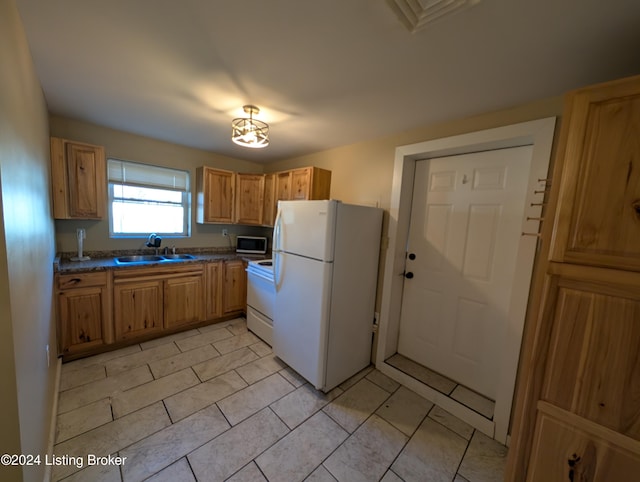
(577, 410)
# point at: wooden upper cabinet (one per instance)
(228, 197)
(307, 183)
(283, 186)
(249, 198)
(598, 221)
(310, 183)
(215, 195)
(269, 205)
(78, 175)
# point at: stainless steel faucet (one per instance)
(154, 241)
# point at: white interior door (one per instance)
(466, 223)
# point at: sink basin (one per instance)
(177, 256)
(142, 258)
(152, 258)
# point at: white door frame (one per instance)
(539, 134)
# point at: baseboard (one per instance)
(54, 419)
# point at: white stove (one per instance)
(261, 294)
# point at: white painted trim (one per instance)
(54, 420)
(538, 134)
(452, 406)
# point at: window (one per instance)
(147, 199)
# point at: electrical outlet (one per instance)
(225, 232)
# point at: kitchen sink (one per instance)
(178, 256)
(142, 258)
(152, 258)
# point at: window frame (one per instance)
(186, 201)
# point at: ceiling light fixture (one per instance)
(249, 132)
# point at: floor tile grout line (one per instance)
(464, 454)
(349, 435)
(409, 437)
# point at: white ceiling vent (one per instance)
(416, 14)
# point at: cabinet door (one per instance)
(564, 450)
(269, 206)
(598, 221)
(235, 286)
(183, 301)
(215, 195)
(593, 366)
(137, 308)
(81, 319)
(78, 177)
(249, 198)
(301, 184)
(283, 186)
(214, 290)
(85, 166)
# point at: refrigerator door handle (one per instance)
(277, 231)
(277, 234)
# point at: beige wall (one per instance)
(26, 254)
(131, 147)
(362, 173)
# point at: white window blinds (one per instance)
(136, 174)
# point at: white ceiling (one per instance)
(324, 73)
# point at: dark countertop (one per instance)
(105, 260)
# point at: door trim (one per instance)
(538, 134)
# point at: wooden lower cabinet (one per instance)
(95, 309)
(84, 312)
(235, 286)
(568, 448)
(577, 409)
(214, 290)
(150, 300)
(138, 307)
(183, 300)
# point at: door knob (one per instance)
(408, 275)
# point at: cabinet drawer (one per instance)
(81, 280)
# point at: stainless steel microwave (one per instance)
(251, 244)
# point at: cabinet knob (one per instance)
(408, 275)
(412, 256)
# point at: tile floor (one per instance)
(215, 404)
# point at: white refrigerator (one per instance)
(325, 256)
